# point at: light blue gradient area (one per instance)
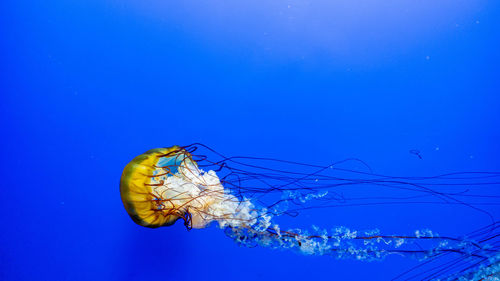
(85, 86)
(171, 162)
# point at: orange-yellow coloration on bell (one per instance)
(136, 190)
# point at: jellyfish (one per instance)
(244, 196)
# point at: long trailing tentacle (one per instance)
(258, 178)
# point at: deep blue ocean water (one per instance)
(85, 86)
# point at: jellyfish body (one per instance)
(164, 185)
(137, 192)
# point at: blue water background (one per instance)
(85, 86)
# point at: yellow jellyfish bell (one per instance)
(137, 182)
(163, 185)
